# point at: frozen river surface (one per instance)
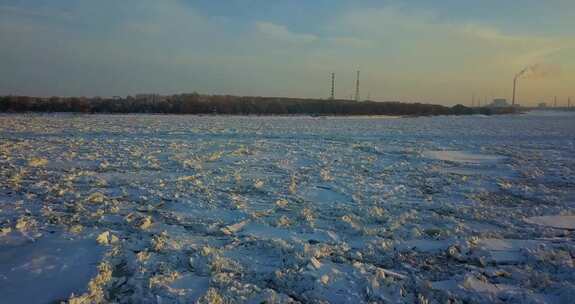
(178, 209)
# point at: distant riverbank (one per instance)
(234, 105)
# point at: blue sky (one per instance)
(421, 50)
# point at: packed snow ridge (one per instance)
(208, 209)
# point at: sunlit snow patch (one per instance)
(560, 221)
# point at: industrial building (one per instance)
(499, 103)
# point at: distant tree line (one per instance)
(232, 105)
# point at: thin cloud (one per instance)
(425, 28)
(282, 33)
(352, 42)
(41, 12)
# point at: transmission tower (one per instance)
(357, 87)
(332, 96)
(555, 102)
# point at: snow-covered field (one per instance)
(163, 209)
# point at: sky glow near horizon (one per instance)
(428, 51)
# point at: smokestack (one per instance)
(515, 87)
(517, 76)
(332, 97)
(357, 87)
(569, 102)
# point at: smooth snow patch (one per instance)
(472, 284)
(263, 232)
(47, 270)
(429, 246)
(324, 194)
(507, 251)
(508, 244)
(191, 286)
(462, 157)
(559, 221)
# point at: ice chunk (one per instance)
(146, 223)
(96, 198)
(234, 228)
(314, 263)
(38, 162)
(107, 238)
